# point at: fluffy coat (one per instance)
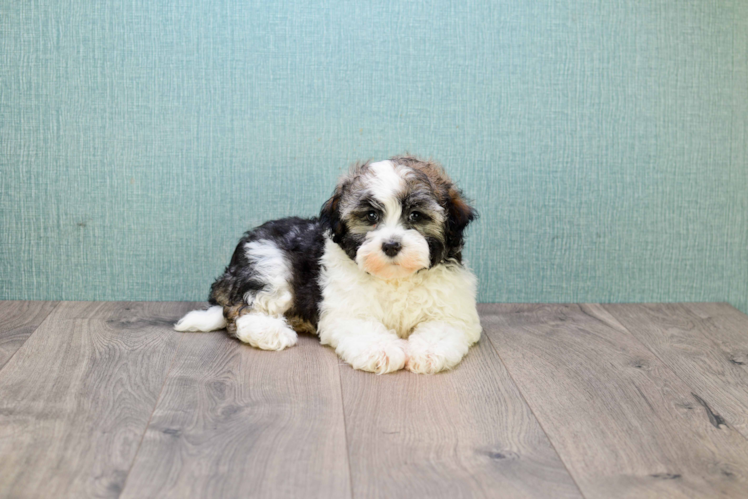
(378, 275)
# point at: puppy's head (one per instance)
(398, 216)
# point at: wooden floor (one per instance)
(104, 399)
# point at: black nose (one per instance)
(391, 248)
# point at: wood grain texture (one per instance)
(18, 320)
(235, 421)
(465, 433)
(77, 396)
(706, 345)
(726, 327)
(624, 423)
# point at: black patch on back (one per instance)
(302, 241)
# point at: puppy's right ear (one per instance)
(329, 215)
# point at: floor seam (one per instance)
(540, 424)
(7, 362)
(345, 428)
(666, 365)
(148, 424)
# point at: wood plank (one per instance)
(235, 421)
(464, 433)
(624, 424)
(18, 320)
(726, 327)
(706, 345)
(77, 396)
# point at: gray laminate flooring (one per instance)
(104, 399)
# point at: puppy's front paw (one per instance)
(426, 363)
(380, 356)
(432, 357)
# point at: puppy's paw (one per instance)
(379, 356)
(265, 332)
(428, 356)
(427, 363)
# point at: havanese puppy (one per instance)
(378, 276)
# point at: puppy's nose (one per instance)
(391, 248)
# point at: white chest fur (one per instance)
(443, 293)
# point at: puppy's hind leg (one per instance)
(271, 333)
(262, 323)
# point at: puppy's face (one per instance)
(398, 216)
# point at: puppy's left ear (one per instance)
(329, 215)
(459, 215)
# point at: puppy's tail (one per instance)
(202, 321)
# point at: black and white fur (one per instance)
(378, 275)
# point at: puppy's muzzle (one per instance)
(391, 248)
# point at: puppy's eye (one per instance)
(372, 216)
(415, 216)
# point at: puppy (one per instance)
(378, 276)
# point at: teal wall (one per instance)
(603, 142)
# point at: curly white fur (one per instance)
(366, 318)
(271, 333)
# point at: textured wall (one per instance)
(604, 142)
